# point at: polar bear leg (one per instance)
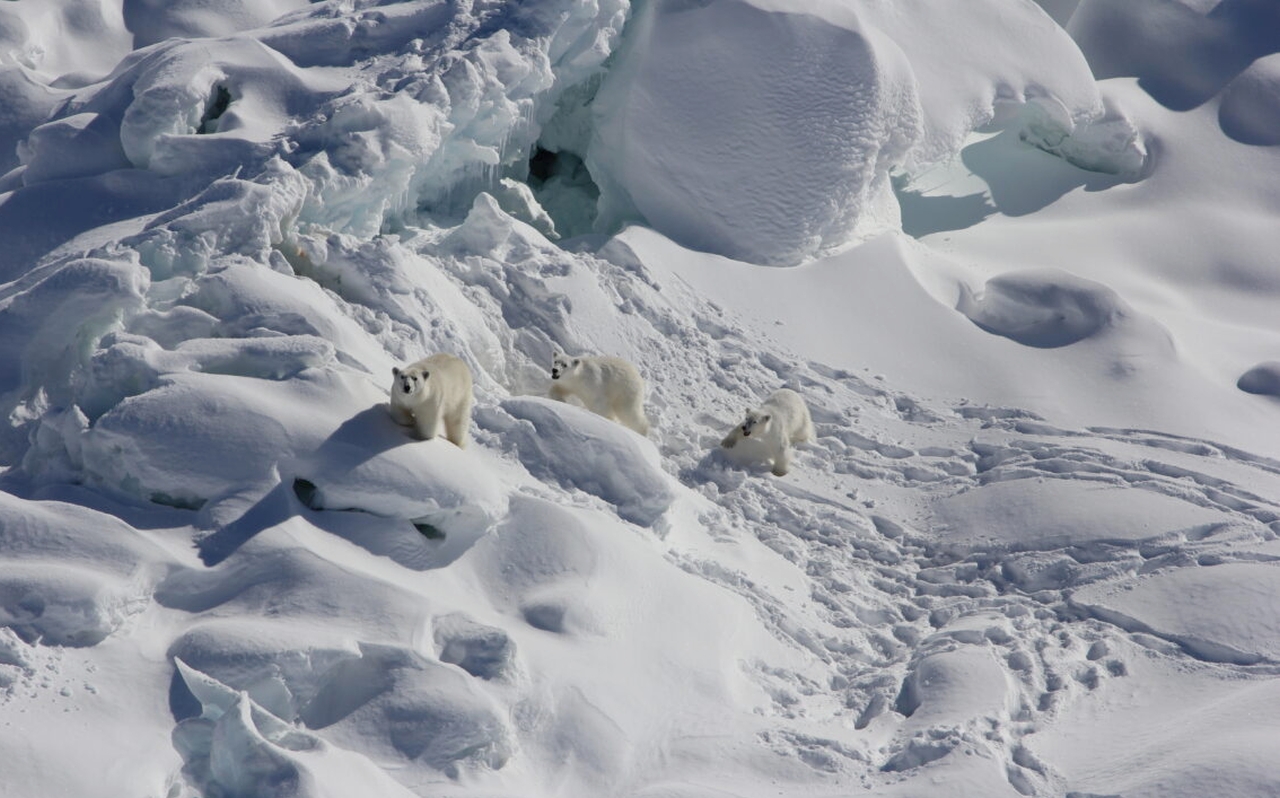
(401, 415)
(633, 417)
(807, 432)
(559, 392)
(457, 425)
(426, 422)
(629, 412)
(782, 462)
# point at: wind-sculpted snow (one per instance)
(1263, 378)
(1038, 519)
(1250, 110)
(569, 445)
(1048, 310)
(776, 144)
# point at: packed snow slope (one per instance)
(1019, 261)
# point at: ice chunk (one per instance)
(394, 703)
(50, 328)
(237, 747)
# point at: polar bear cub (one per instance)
(779, 423)
(431, 393)
(607, 386)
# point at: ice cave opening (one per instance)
(563, 186)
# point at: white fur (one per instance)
(778, 424)
(607, 386)
(434, 392)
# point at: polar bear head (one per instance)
(562, 365)
(409, 380)
(755, 420)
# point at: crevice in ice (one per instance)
(218, 105)
(563, 186)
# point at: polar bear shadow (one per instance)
(364, 436)
(422, 505)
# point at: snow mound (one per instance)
(947, 696)
(153, 21)
(371, 464)
(1263, 378)
(66, 606)
(774, 142)
(1044, 309)
(579, 449)
(1154, 746)
(1183, 53)
(71, 576)
(1250, 109)
(1185, 605)
(1043, 514)
(195, 438)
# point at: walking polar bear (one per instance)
(607, 386)
(434, 392)
(779, 423)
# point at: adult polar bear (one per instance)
(431, 393)
(779, 423)
(607, 386)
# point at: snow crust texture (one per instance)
(1029, 305)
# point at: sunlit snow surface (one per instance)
(1019, 259)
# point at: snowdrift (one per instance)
(1027, 293)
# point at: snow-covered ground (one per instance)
(1021, 260)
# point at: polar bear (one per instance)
(607, 386)
(779, 423)
(433, 391)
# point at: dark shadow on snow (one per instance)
(1182, 58)
(358, 439)
(1023, 179)
(924, 215)
(272, 509)
(37, 219)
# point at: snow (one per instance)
(1018, 259)
(732, 148)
